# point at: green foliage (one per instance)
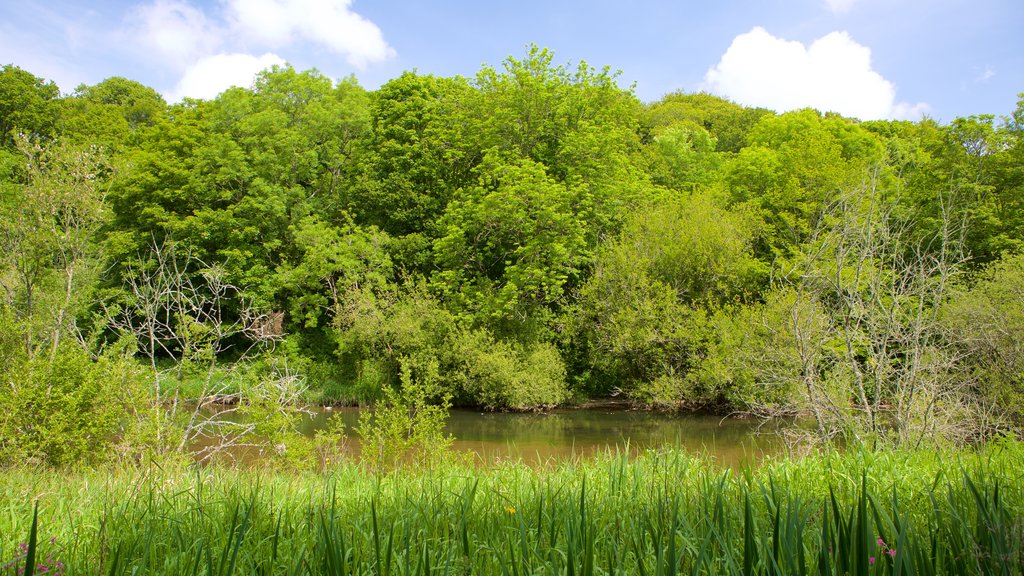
(578, 124)
(381, 340)
(414, 155)
(27, 104)
(334, 265)
(794, 163)
(727, 122)
(532, 225)
(988, 322)
(508, 375)
(110, 112)
(687, 156)
(379, 337)
(642, 316)
(48, 222)
(767, 357)
(70, 409)
(238, 175)
(510, 245)
(407, 426)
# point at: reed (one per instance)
(662, 513)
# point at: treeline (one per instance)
(518, 240)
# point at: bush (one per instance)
(501, 374)
(764, 355)
(987, 322)
(407, 426)
(415, 334)
(69, 409)
(642, 316)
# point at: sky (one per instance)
(869, 59)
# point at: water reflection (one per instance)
(564, 434)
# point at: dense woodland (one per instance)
(529, 237)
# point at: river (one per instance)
(561, 434)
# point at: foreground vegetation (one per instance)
(906, 512)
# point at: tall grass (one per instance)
(663, 513)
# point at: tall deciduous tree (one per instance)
(510, 245)
(417, 152)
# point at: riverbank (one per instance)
(926, 511)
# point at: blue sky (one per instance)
(863, 58)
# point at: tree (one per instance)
(510, 245)
(987, 323)
(109, 112)
(169, 310)
(579, 124)
(727, 122)
(686, 157)
(416, 153)
(335, 268)
(642, 316)
(884, 294)
(230, 179)
(47, 230)
(27, 103)
(794, 163)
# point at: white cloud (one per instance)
(832, 74)
(330, 23)
(840, 6)
(212, 75)
(213, 50)
(177, 31)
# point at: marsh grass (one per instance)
(662, 513)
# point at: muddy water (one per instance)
(561, 434)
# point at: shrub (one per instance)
(501, 374)
(69, 408)
(407, 426)
(987, 321)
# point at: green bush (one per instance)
(70, 409)
(501, 374)
(414, 333)
(642, 316)
(407, 426)
(987, 321)
(765, 354)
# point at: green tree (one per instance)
(335, 267)
(231, 178)
(27, 103)
(579, 124)
(727, 122)
(48, 225)
(686, 157)
(642, 317)
(794, 163)
(415, 154)
(510, 245)
(109, 112)
(987, 320)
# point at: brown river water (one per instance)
(538, 438)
